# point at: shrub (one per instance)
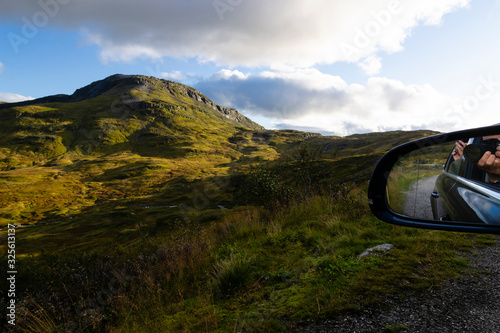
(231, 274)
(266, 188)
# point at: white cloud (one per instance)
(309, 78)
(371, 65)
(11, 98)
(1, 68)
(175, 76)
(227, 74)
(243, 33)
(309, 99)
(285, 39)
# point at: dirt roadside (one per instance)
(469, 304)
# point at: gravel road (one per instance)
(418, 202)
(470, 304)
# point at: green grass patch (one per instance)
(146, 209)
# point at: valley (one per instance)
(141, 205)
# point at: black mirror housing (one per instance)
(463, 196)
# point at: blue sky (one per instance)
(327, 66)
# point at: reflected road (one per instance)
(418, 203)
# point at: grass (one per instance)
(231, 274)
(303, 265)
(162, 216)
(208, 269)
(248, 269)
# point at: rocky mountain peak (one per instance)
(120, 83)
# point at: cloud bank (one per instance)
(238, 32)
(310, 100)
(11, 98)
(284, 39)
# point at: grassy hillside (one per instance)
(140, 205)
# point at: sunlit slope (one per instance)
(137, 113)
(127, 155)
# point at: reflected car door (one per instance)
(459, 181)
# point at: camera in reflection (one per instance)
(474, 152)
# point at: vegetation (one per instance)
(418, 165)
(175, 217)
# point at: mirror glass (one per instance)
(455, 181)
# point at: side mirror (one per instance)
(429, 183)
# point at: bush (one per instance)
(265, 187)
(231, 274)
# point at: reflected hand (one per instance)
(458, 151)
(491, 164)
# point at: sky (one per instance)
(334, 67)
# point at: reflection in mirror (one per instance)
(412, 180)
(452, 181)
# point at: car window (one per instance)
(456, 167)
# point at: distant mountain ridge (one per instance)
(120, 83)
(119, 113)
(156, 118)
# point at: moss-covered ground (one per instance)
(147, 211)
(124, 242)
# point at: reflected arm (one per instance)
(491, 164)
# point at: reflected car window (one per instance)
(456, 167)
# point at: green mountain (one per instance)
(131, 137)
(142, 114)
(134, 140)
(139, 205)
(116, 146)
(150, 117)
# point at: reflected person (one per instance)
(457, 166)
(458, 151)
(490, 162)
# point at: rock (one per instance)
(376, 250)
